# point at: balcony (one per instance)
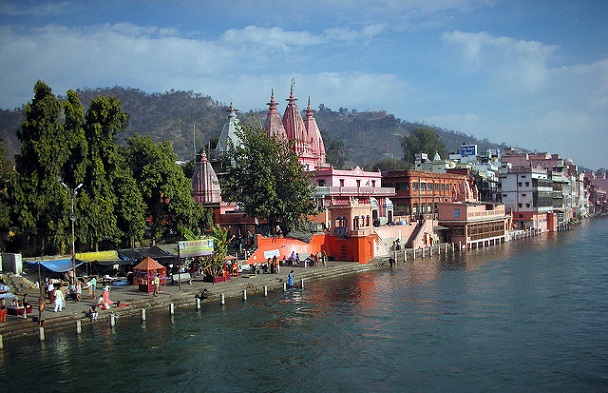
(354, 191)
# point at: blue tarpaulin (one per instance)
(56, 265)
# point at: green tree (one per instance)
(6, 173)
(105, 119)
(389, 164)
(167, 193)
(130, 208)
(221, 240)
(267, 180)
(335, 153)
(37, 198)
(421, 140)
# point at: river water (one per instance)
(525, 316)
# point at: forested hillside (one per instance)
(183, 117)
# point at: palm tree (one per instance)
(221, 240)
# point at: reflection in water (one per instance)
(529, 315)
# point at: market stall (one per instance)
(144, 273)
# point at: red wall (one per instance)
(351, 249)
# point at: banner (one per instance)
(195, 248)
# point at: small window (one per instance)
(519, 184)
(519, 205)
(527, 205)
(527, 184)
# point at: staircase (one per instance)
(17, 283)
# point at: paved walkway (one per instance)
(184, 295)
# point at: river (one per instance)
(525, 316)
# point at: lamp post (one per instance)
(73, 192)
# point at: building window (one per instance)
(519, 205)
(422, 186)
(436, 187)
(523, 195)
(358, 183)
(527, 184)
(519, 184)
(504, 195)
(341, 182)
(414, 186)
(456, 213)
(373, 183)
(321, 183)
(527, 205)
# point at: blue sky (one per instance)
(528, 73)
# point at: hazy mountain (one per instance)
(185, 117)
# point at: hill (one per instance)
(183, 116)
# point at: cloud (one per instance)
(275, 36)
(124, 54)
(514, 64)
(334, 90)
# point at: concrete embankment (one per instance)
(184, 295)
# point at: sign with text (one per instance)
(271, 253)
(468, 150)
(196, 248)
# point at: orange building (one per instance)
(417, 193)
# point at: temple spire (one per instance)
(273, 125)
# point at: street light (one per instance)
(73, 192)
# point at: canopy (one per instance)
(99, 256)
(56, 265)
(144, 274)
(149, 264)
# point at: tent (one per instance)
(144, 273)
(56, 265)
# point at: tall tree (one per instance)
(268, 181)
(37, 198)
(421, 140)
(6, 173)
(105, 119)
(167, 193)
(130, 208)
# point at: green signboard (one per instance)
(195, 248)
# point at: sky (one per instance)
(531, 74)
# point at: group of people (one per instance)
(316, 259)
(57, 297)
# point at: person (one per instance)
(78, 291)
(3, 311)
(59, 300)
(105, 295)
(26, 306)
(275, 262)
(50, 289)
(156, 283)
(290, 279)
(324, 257)
(93, 313)
(293, 257)
(397, 245)
(101, 303)
(93, 284)
(41, 308)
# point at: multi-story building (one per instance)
(418, 193)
